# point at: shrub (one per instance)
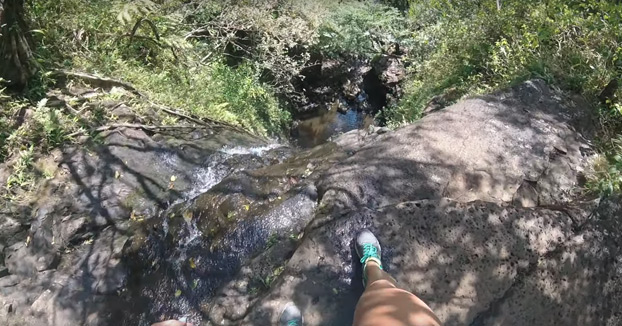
(606, 176)
(274, 39)
(21, 175)
(469, 47)
(361, 29)
(472, 47)
(144, 43)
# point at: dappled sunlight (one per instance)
(210, 161)
(472, 162)
(235, 231)
(468, 279)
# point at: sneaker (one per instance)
(291, 316)
(368, 248)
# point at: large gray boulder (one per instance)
(578, 284)
(483, 148)
(512, 243)
(476, 206)
(457, 257)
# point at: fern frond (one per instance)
(131, 10)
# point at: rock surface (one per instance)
(479, 149)
(476, 207)
(64, 263)
(477, 263)
(187, 261)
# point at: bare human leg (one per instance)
(383, 303)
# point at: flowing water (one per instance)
(219, 165)
(181, 258)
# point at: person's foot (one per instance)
(368, 248)
(291, 316)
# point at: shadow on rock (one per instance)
(479, 149)
(474, 264)
(212, 257)
(65, 268)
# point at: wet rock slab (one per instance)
(64, 255)
(210, 258)
(177, 274)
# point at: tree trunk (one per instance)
(16, 59)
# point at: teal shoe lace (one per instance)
(293, 323)
(369, 251)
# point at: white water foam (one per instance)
(205, 178)
(214, 171)
(193, 233)
(239, 150)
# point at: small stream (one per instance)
(184, 255)
(241, 201)
(319, 129)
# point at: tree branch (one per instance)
(181, 115)
(151, 24)
(97, 81)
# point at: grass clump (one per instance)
(606, 174)
(469, 47)
(21, 176)
(607, 170)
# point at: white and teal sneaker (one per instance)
(368, 249)
(291, 316)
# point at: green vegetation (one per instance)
(215, 59)
(219, 60)
(238, 61)
(607, 175)
(361, 29)
(271, 277)
(144, 43)
(22, 176)
(272, 240)
(472, 47)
